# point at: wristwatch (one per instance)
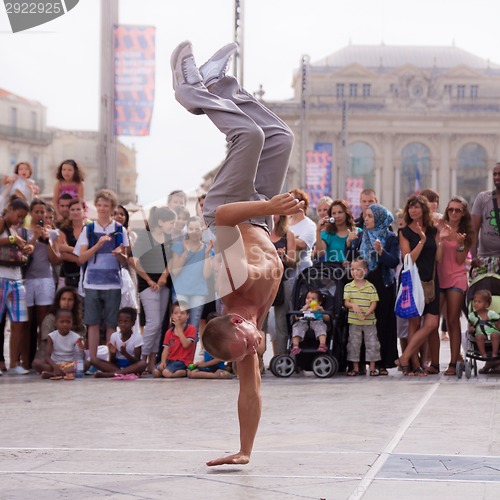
(12, 239)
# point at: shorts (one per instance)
(122, 363)
(13, 299)
(175, 366)
(452, 289)
(102, 305)
(40, 292)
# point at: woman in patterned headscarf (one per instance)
(379, 247)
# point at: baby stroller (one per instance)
(328, 278)
(489, 282)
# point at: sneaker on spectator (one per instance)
(184, 69)
(18, 370)
(91, 371)
(215, 68)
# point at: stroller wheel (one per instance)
(468, 368)
(460, 369)
(475, 368)
(325, 366)
(282, 365)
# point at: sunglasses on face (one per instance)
(455, 210)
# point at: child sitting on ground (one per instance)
(312, 318)
(360, 297)
(59, 362)
(179, 344)
(210, 367)
(484, 323)
(124, 350)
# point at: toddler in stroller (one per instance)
(484, 323)
(481, 340)
(312, 318)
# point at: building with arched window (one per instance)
(396, 119)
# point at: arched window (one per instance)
(472, 171)
(415, 170)
(362, 163)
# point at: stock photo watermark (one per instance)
(25, 15)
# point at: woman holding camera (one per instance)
(39, 277)
(335, 232)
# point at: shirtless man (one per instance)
(243, 198)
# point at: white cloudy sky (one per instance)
(58, 63)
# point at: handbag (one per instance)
(429, 288)
(410, 301)
(11, 255)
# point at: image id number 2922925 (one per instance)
(33, 7)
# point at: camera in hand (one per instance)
(331, 220)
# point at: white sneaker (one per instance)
(215, 68)
(19, 370)
(184, 69)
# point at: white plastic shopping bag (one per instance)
(410, 301)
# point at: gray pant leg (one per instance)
(372, 344)
(235, 180)
(354, 343)
(278, 143)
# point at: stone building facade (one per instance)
(25, 136)
(427, 114)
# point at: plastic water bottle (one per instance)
(79, 359)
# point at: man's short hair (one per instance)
(64, 196)
(217, 336)
(108, 195)
(431, 195)
(367, 192)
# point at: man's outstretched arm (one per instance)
(249, 409)
(232, 214)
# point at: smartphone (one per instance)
(40, 223)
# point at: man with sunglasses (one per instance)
(239, 205)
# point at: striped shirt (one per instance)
(363, 296)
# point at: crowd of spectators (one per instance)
(140, 299)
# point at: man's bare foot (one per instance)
(236, 459)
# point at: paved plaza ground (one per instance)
(339, 438)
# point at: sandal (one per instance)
(352, 373)
(69, 376)
(405, 369)
(451, 370)
(374, 373)
(56, 377)
(432, 370)
(295, 350)
(322, 348)
(383, 372)
(420, 372)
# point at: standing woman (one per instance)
(457, 240)
(284, 241)
(419, 238)
(68, 236)
(12, 291)
(191, 267)
(39, 275)
(379, 247)
(333, 238)
(150, 256)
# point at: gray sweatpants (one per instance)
(259, 144)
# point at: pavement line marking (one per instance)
(172, 474)
(368, 478)
(203, 450)
(438, 480)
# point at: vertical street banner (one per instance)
(353, 188)
(134, 79)
(319, 172)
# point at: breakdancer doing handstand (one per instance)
(238, 207)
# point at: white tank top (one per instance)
(63, 350)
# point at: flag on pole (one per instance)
(417, 181)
